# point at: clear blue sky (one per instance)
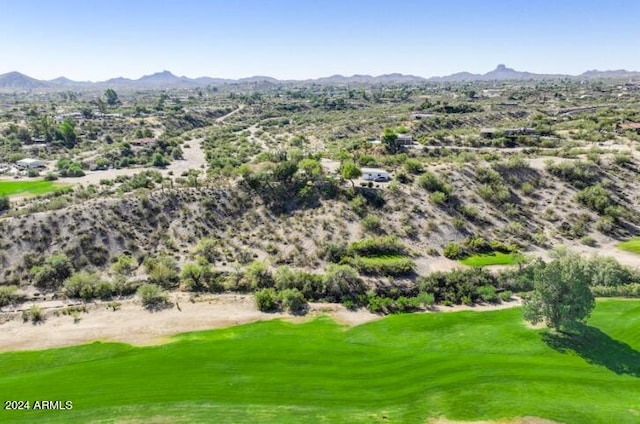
(96, 40)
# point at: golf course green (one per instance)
(400, 369)
(632, 245)
(493, 258)
(14, 187)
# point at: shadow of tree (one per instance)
(597, 348)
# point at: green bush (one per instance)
(578, 173)
(34, 313)
(453, 251)
(53, 272)
(258, 275)
(332, 252)
(388, 265)
(458, 286)
(487, 294)
(371, 223)
(596, 197)
(266, 300)
(80, 285)
(153, 296)
(627, 290)
(163, 271)
(413, 166)
(430, 182)
(7, 295)
(341, 282)
(292, 300)
(505, 296)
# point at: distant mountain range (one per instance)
(17, 81)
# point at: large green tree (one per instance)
(111, 96)
(350, 171)
(561, 296)
(390, 141)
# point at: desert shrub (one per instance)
(53, 272)
(34, 313)
(341, 282)
(389, 265)
(438, 197)
(527, 188)
(505, 296)
(388, 305)
(258, 275)
(453, 251)
(622, 158)
(413, 166)
(207, 248)
(588, 241)
(605, 224)
(332, 252)
(193, 276)
(577, 173)
(292, 300)
(104, 290)
(153, 296)
(596, 197)
(7, 295)
(627, 290)
(430, 182)
(426, 299)
(371, 223)
(124, 265)
(487, 294)
(606, 271)
(163, 271)
(266, 299)
(458, 286)
(469, 211)
(80, 285)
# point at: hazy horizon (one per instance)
(293, 40)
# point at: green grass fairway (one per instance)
(494, 258)
(401, 369)
(14, 187)
(632, 245)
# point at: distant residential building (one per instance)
(29, 163)
(506, 132)
(375, 174)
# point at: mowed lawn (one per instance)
(632, 245)
(401, 369)
(14, 187)
(494, 258)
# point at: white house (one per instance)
(375, 174)
(29, 163)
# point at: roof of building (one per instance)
(29, 160)
(373, 170)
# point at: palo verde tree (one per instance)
(561, 296)
(111, 96)
(390, 141)
(349, 171)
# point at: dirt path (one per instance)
(134, 325)
(194, 157)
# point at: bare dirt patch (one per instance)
(133, 324)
